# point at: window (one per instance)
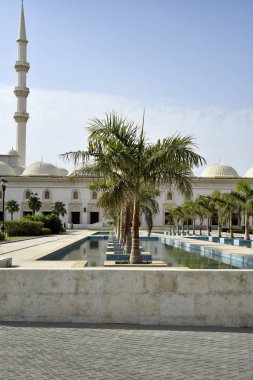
(47, 194)
(94, 195)
(75, 195)
(169, 196)
(27, 194)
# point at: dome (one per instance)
(220, 171)
(6, 169)
(19, 170)
(13, 152)
(82, 170)
(249, 173)
(62, 171)
(41, 169)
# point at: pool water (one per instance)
(93, 251)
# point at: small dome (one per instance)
(13, 152)
(249, 173)
(220, 171)
(82, 170)
(41, 169)
(62, 171)
(6, 169)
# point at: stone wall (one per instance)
(141, 296)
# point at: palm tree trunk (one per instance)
(12, 216)
(128, 237)
(122, 227)
(208, 227)
(118, 228)
(231, 226)
(135, 257)
(183, 226)
(193, 226)
(246, 235)
(200, 227)
(188, 230)
(219, 229)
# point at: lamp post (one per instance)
(3, 187)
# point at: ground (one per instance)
(67, 351)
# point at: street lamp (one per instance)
(3, 187)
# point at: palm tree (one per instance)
(190, 211)
(12, 206)
(207, 205)
(230, 205)
(244, 195)
(177, 215)
(34, 203)
(59, 208)
(219, 203)
(120, 150)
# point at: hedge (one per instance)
(50, 221)
(23, 227)
(2, 236)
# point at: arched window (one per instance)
(94, 195)
(169, 196)
(47, 194)
(75, 195)
(27, 194)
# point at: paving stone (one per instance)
(107, 352)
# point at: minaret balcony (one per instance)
(21, 117)
(22, 66)
(21, 91)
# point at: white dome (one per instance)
(41, 169)
(220, 171)
(6, 169)
(249, 173)
(62, 172)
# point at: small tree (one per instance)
(12, 206)
(59, 209)
(34, 203)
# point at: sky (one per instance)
(187, 62)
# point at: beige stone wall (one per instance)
(142, 296)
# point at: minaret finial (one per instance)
(22, 31)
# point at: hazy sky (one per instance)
(188, 62)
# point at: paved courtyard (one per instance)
(67, 351)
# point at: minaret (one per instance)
(21, 91)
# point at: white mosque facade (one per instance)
(53, 184)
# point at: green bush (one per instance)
(23, 227)
(51, 221)
(2, 236)
(46, 231)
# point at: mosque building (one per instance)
(53, 184)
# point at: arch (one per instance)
(94, 195)
(47, 194)
(169, 196)
(27, 194)
(75, 195)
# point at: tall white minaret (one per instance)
(21, 91)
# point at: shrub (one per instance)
(51, 221)
(46, 231)
(23, 227)
(2, 236)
